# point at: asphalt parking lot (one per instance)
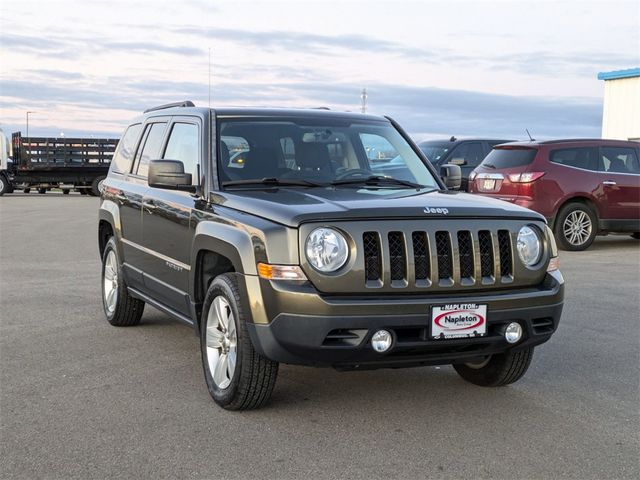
(82, 399)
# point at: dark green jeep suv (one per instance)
(274, 236)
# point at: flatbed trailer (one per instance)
(42, 163)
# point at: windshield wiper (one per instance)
(489, 165)
(377, 180)
(273, 182)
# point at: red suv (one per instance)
(582, 187)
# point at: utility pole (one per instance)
(363, 96)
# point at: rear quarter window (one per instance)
(578, 157)
(509, 157)
(123, 156)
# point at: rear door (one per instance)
(619, 172)
(166, 216)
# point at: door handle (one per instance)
(609, 183)
(149, 206)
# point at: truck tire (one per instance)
(497, 370)
(65, 191)
(636, 235)
(576, 227)
(26, 190)
(96, 186)
(238, 377)
(5, 185)
(42, 191)
(120, 308)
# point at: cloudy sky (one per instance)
(438, 67)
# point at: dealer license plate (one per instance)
(488, 184)
(458, 320)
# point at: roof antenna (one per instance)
(530, 138)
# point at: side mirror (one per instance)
(451, 176)
(169, 175)
(458, 161)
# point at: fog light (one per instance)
(513, 332)
(381, 341)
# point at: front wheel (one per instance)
(576, 227)
(238, 377)
(5, 186)
(497, 370)
(96, 186)
(120, 308)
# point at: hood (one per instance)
(292, 207)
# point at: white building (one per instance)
(621, 113)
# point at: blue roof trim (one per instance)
(630, 72)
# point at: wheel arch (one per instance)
(109, 226)
(577, 198)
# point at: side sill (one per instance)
(160, 306)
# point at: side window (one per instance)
(377, 147)
(126, 148)
(584, 157)
(288, 152)
(619, 160)
(183, 145)
(151, 149)
(467, 154)
(234, 151)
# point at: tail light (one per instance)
(525, 177)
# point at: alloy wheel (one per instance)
(577, 228)
(221, 342)
(110, 282)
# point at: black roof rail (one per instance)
(186, 103)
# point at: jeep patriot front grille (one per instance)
(442, 258)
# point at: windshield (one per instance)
(319, 151)
(435, 151)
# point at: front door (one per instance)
(166, 219)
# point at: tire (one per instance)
(636, 235)
(83, 191)
(123, 310)
(5, 186)
(65, 191)
(42, 191)
(26, 190)
(250, 383)
(497, 370)
(576, 227)
(96, 186)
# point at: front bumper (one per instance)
(310, 329)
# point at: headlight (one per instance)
(529, 246)
(326, 249)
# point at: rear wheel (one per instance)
(26, 190)
(42, 191)
(636, 235)
(65, 191)
(576, 227)
(121, 309)
(96, 186)
(238, 377)
(497, 370)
